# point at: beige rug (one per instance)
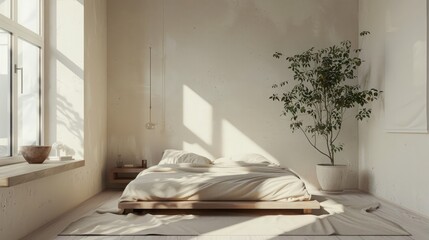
(332, 219)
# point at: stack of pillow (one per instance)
(171, 156)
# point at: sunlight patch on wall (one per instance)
(197, 115)
(236, 142)
(69, 22)
(69, 109)
(65, 75)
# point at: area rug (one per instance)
(332, 219)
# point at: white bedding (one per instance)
(203, 182)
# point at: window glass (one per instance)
(29, 14)
(28, 76)
(5, 8)
(5, 94)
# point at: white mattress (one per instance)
(235, 182)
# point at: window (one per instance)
(21, 45)
(5, 8)
(5, 94)
(29, 14)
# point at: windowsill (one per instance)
(15, 174)
(11, 160)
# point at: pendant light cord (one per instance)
(150, 84)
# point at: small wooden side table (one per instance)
(124, 175)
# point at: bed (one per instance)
(188, 181)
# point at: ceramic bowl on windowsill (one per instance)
(35, 154)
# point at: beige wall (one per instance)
(393, 166)
(212, 75)
(26, 207)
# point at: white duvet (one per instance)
(223, 182)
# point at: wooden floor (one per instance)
(414, 224)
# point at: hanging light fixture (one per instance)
(150, 125)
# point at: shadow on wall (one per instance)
(64, 55)
(72, 122)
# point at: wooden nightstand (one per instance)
(124, 175)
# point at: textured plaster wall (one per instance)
(212, 71)
(26, 207)
(393, 166)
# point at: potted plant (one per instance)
(322, 89)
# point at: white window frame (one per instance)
(18, 31)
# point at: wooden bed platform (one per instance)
(306, 206)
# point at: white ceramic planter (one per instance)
(331, 177)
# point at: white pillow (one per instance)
(171, 156)
(251, 158)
